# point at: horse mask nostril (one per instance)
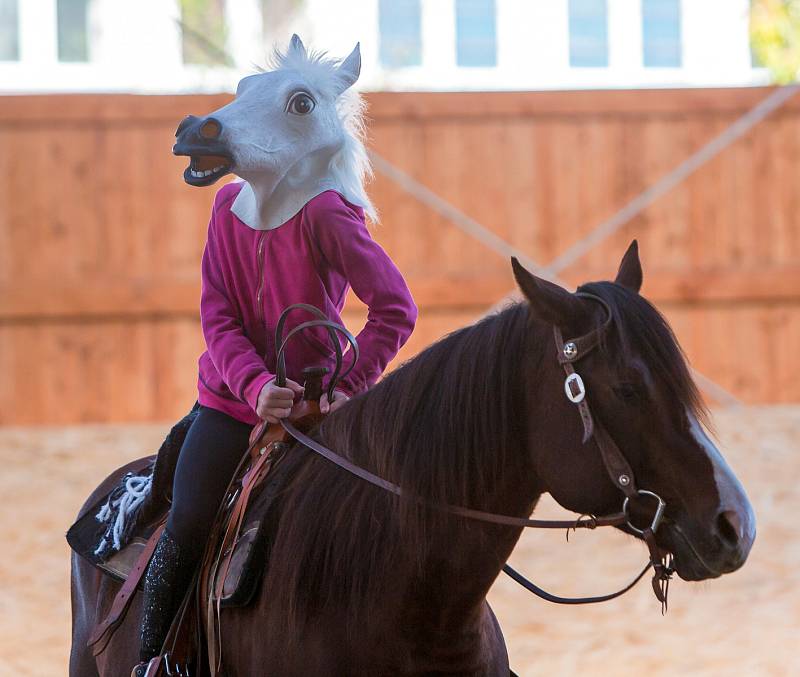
(188, 120)
(730, 528)
(210, 129)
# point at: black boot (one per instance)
(165, 583)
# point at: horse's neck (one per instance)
(470, 554)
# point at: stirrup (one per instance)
(143, 669)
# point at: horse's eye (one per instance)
(627, 392)
(300, 104)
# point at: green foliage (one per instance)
(775, 37)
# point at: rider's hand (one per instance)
(339, 398)
(275, 403)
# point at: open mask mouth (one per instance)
(203, 170)
(206, 164)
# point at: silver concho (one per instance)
(570, 350)
(576, 396)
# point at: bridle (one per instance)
(616, 465)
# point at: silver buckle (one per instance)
(575, 378)
(656, 518)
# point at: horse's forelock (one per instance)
(643, 332)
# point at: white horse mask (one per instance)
(290, 134)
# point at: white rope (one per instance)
(137, 488)
(666, 183)
(442, 207)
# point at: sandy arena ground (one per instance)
(744, 624)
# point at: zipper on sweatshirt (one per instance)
(260, 292)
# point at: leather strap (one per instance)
(617, 467)
(338, 375)
(590, 522)
(102, 633)
(322, 321)
(583, 345)
(539, 592)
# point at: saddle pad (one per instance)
(86, 533)
(250, 553)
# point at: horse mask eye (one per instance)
(300, 104)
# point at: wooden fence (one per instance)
(100, 239)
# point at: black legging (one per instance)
(210, 453)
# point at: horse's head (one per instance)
(640, 391)
(289, 125)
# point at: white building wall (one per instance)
(136, 46)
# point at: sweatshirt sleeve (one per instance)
(233, 354)
(348, 248)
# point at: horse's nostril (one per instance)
(211, 128)
(729, 527)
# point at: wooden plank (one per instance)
(146, 369)
(88, 109)
(100, 238)
(149, 297)
(403, 106)
(396, 106)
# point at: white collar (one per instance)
(276, 212)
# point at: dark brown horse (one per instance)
(362, 582)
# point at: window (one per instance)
(476, 41)
(9, 30)
(204, 33)
(588, 33)
(73, 34)
(755, 60)
(400, 28)
(661, 33)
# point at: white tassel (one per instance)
(136, 490)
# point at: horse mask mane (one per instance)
(291, 133)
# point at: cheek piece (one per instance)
(616, 465)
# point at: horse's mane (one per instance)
(350, 166)
(448, 426)
(640, 329)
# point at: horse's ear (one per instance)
(630, 269)
(548, 301)
(349, 69)
(296, 45)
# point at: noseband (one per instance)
(617, 466)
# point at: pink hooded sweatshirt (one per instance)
(249, 276)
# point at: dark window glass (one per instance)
(204, 33)
(73, 30)
(9, 30)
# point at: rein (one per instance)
(616, 464)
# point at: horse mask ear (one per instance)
(630, 269)
(548, 301)
(296, 45)
(349, 69)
